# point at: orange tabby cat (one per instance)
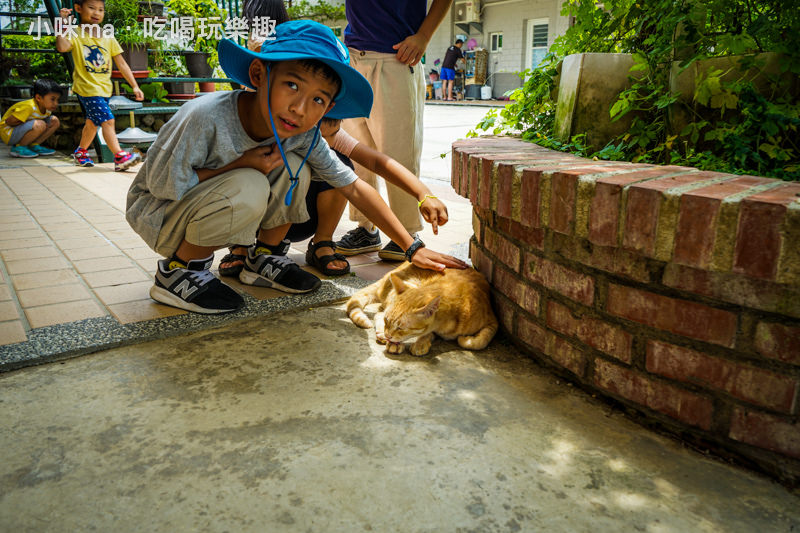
(420, 303)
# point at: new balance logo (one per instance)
(184, 289)
(269, 271)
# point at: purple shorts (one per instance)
(447, 74)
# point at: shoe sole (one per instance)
(248, 277)
(78, 163)
(127, 164)
(356, 251)
(14, 154)
(392, 256)
(167, 298)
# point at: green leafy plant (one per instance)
(320, 11)
(740, 120)
(154, 92)
(201, 12)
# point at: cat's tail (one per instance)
(480, 340)
(355, 310)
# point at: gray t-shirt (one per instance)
(207, 133)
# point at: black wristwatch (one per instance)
(416, 245)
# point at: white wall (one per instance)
(509, 17)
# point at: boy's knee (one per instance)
(249, 192)
(54, 122)
(39, 126)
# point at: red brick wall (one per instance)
(671, 290)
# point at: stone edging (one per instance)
(671, 290)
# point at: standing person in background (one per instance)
(451, 57)
(387, 39)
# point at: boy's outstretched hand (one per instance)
(434, 212)
(431, 260)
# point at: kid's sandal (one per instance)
(236, 259)
(321, 263)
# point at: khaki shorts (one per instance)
(230, 208)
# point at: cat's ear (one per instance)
(431, 307)
(398, 283)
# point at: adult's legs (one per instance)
(394, 127)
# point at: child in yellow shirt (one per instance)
(27, 124)
(93, 55)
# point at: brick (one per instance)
(606, 203)
(681, 317)
(474, 173)
(672, 401)
(572, 284)
(530, 195)
(779, 342)
(530, 236)
(753, 385)
(516, 290)
(506, 251)
(698, 221)
(464, 175)
(480, 261)
(766, 431)
(505, 175)
(532, 334)
(645, 203)
(601, 335)
(564, 184)
(506, 314)
(608, 258)
(735, 288)
(759, 233)
(565, 355)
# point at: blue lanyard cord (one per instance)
(292, 177)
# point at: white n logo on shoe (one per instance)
(269, 271)
(184, 289)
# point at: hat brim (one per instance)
(354, 98)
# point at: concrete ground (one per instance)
(289, 418)
(300, 422)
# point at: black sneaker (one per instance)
(393, 252)
(193, 288)
(277, 272)
(359, 241)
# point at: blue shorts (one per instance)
(447, 74)
(96, 108)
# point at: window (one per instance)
(537, 37)
(496, 42)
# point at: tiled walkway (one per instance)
(75, 276)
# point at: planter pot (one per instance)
(135, 55)
(151, 9)
(197, 64)
(179, 87)
(207, 86)
(17, 91)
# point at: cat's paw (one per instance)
(395, 347)
(420, 348)
(380, 338)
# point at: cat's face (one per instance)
(407, 317)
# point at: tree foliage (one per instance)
(733, 126)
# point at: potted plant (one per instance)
(169, 65)
(148, 8)
(201, 59)
(123, 15)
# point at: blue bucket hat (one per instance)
(304, 39)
